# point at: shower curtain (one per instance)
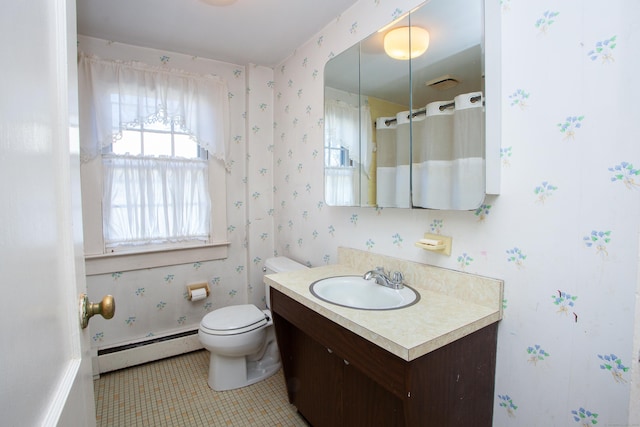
(447, 156)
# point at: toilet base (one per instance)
(228, 373)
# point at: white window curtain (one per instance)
(150, 200)
(342, 126)
(347, 127)
(115, 95)
(340, 186)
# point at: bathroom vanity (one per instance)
(429, 364)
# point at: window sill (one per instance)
(127, 261)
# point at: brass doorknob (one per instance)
(106, 308)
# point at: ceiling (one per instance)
(455, 50)
(261, 32)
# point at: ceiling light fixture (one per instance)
(219, 2)
(406, 42)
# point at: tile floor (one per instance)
(174, 392)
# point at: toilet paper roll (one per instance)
(198, 294)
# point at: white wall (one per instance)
(569, 302)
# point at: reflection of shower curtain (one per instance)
(432, 155)
(386, 162)
(403, 160)
(447, 156)
(468, 177)
(448, 148)
(393, 161)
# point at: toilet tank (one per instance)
(279, 264)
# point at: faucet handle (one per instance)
(397, 277)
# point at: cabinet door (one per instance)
(367, 403)
(315, 380)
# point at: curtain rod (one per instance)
(424, 110)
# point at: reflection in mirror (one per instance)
(398, 157)
(386, 84)
(447, 83)
(346, 159)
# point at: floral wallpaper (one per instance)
(153, 302)
(563, 233)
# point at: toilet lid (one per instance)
(234, 318)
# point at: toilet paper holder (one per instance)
(193, 287)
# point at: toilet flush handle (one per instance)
(106, 308)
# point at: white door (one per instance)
(45, 372)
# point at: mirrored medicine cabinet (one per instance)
(421, 131)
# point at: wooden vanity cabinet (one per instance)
(334, 377)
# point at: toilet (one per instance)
(242, 339)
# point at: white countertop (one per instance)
(436, 320)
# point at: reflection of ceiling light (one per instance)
(219, 2)
(406, 42)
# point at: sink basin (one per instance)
(356, 292)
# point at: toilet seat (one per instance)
(233, 320)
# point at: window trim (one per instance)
(127, 261)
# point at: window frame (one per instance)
(143, 139)
(343, 156)
(99, 261)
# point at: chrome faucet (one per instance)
(381, 278)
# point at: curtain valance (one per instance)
(115, 95)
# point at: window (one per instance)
(155, 189)
(153, 149)
(337, 157)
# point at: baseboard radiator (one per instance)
(155, 348)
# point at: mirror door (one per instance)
(447, 99)
(417, 138)
(385, 83)
(343, 130)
